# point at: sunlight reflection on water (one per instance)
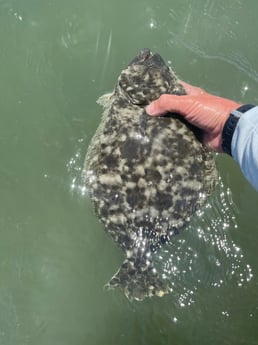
(74, 167)
(203, 255)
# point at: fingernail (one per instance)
(150, 109)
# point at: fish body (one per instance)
(145, 176)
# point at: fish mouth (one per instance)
(146, 57)
(145, 54)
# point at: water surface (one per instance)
(57, 57)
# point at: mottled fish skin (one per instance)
(145, 176)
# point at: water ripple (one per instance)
(236, 59)
(205, 255)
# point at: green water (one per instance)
(56, 58)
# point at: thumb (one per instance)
(166, 103)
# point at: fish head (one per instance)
(146, 78)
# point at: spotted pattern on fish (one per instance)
(145, 176)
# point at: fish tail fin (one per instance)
(138, 279)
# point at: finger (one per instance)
(212, 142)
(169, 103)
(162, 105)
(192, 90)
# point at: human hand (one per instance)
(201, 109)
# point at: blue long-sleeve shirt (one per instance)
(244, 145)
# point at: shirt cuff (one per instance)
(244, 145)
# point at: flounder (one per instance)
(145, 176)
